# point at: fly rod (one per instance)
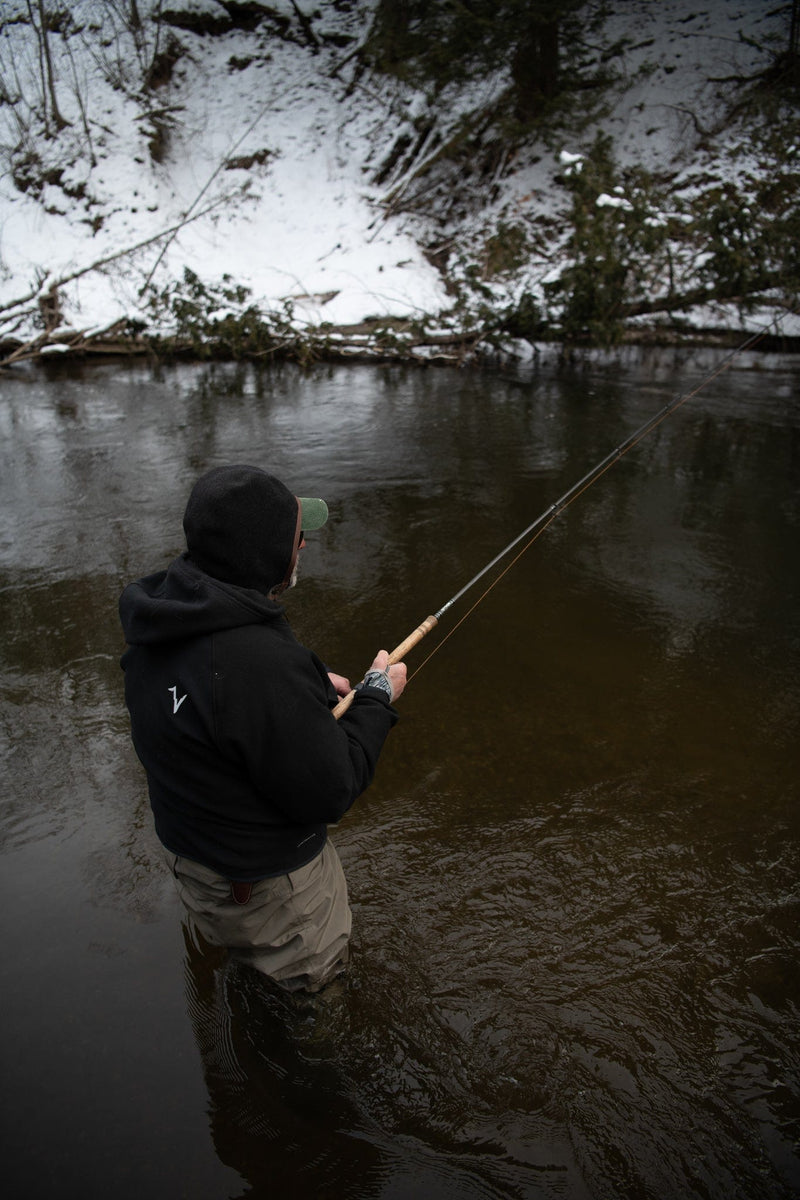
(540, 524)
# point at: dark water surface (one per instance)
(575, 881)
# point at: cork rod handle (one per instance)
(396, 655)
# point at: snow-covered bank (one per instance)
(254, 166)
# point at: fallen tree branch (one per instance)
(76, 340)
(100, 263)
(680, 302)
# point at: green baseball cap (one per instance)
(313, 513)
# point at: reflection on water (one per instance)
(574, 883)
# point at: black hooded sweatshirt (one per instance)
(230, 716)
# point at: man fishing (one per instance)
(232, 720)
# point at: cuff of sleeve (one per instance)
(377, 681)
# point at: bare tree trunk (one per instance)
(46, 66)
(60, 121)
(42, 71)
(534, 67)
(135, 26)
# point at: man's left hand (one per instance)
(341, 684)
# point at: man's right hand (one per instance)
(397, 672)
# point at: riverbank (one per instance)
(381, 342)
(273, 190)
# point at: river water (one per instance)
(575, 879)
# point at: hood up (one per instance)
(242, 527)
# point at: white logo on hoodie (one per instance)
(176, 703)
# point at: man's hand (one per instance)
(396, 673)
(341, 684)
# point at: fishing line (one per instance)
(541, 523)
(481, 598)
(577, 490)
